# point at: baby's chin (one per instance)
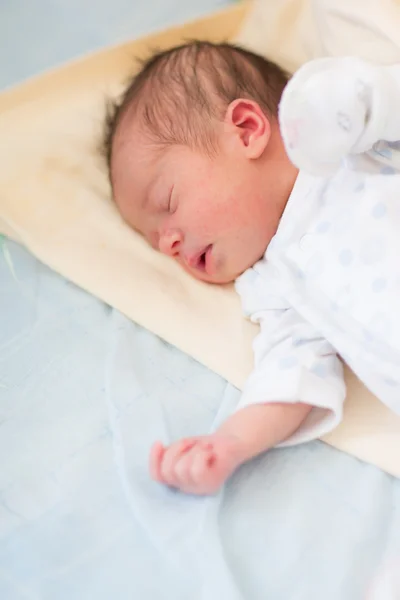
(217, 278)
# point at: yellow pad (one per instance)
(54, 198)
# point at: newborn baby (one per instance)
(201, 165)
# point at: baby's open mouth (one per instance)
(201, 260)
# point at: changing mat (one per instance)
(54, 196)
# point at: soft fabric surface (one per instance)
(292, 32)
(53, 31)
(60, 207)
(84, 392)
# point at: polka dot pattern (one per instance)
(346, 257)
(379, 210)
(336, 259)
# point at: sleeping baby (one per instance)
(290, 190)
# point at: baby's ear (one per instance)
(250, 125)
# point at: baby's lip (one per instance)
(199, 260)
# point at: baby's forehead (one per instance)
(131, 145)
(132, 166)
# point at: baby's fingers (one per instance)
(156, 456)
(202, 463)
(172, 456)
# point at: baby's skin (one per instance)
(201, 465)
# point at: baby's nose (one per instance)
(170, 243)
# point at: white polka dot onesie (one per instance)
(329, 283)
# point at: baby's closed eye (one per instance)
(172, 204)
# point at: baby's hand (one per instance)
(324, 111)
(199, 465)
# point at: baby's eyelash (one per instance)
(169, 206)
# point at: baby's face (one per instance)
(214, 215)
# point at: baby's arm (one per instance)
(338, 107)
(260, 427)
(294, 394)
(201, 465)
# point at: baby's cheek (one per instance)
(154, 239)
(213, 220)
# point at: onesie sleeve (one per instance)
(379, 92)
(348, 101)
(292, 363)
(378, 147)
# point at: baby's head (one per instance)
(196, 160)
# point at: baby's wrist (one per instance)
(243, 448)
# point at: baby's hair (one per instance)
(178, 92)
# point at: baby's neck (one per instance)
(280, 172)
